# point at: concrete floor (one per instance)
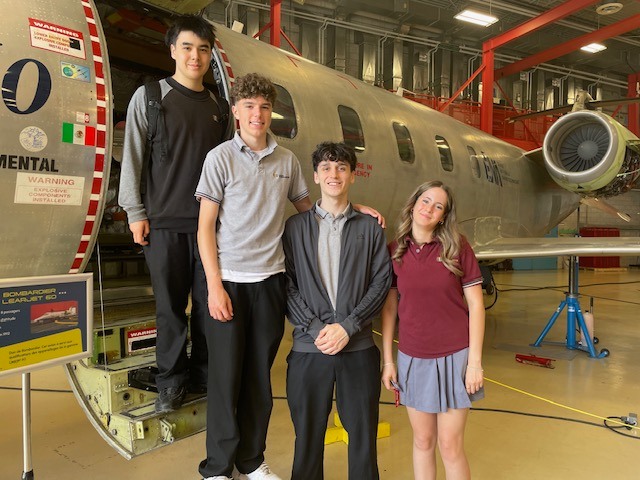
(519, 431)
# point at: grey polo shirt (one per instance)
(252, 189)
(329, 246)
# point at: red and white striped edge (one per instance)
(101, 139)
(101, 134)
(225, 59)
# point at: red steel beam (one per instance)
(461, 89)
(504, 94)
(550, 16)
(603, 33)
(486, 105)
(276, 22)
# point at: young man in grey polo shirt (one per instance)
(338, 275)
(243, 190)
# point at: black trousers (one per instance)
(176, 270)
(310, 382)
(239, 398)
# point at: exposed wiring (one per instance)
(619, 422)
(616, 428)
(566, 407)
(46, 390)
(494, 288)
(561, 288)
(525, 288)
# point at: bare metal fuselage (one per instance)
(512, 196)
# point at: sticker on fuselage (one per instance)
(56, 38)
(33, 139)
(39, 189)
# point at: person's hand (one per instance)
(473, 379)
(389, 374)
(140, 231)
(332, 339)
(220, 307)
(372, 212)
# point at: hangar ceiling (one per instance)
(434, 19)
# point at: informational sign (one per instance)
(45, 321)
(38, 189)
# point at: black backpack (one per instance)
(156, 126)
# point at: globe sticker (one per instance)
(33, 139)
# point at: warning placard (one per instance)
(56, 38)
(36, 188)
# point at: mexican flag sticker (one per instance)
(78, 134)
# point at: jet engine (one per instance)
(591, 154)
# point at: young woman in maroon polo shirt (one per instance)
(437, 297)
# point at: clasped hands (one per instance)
(332, 339)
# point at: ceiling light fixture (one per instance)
(477, 18)
(593, 48)
(607, 8)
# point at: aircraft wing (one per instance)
(555, 246)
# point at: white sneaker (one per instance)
(218, 477)
(263, 472)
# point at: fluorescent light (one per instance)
(478, 18)
(593, 48)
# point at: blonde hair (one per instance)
(446, 232)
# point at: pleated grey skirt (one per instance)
(434, 385)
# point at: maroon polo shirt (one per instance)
(433, 318)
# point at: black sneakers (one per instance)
(170, 399)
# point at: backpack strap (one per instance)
(156, 128)
(223, 107)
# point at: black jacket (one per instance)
(364, 280)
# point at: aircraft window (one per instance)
(446, 159)
(475, 164)
(351, 128)
(405, 144)
(283, 118)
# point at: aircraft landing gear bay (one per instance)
(116, 386)
(575, 318)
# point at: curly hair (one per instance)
(446, 232)
(335, 152)
(190, 23)
(253, 85)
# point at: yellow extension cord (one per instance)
(537, 397)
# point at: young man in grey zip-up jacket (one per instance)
(338, 275)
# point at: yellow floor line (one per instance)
(537, 397)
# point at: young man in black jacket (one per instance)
(338, 275)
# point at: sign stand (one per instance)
(27, 473)
(44, 321)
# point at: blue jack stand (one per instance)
(574, 318)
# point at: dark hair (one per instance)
(190, 23)
(253, 85)
(334, 152)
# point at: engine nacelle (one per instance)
(589, 153)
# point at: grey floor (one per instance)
(521, 430)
